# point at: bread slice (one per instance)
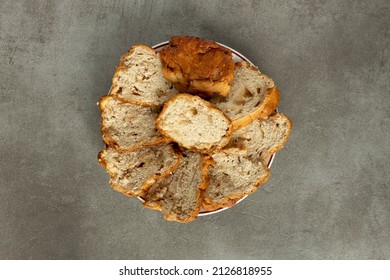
(232, 175)
(178, 195)
(194, 123)
(139, 78)
(253, 95)
(127, 126)
(198, 66)
(133, 173)
(263, 137)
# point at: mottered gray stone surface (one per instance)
(328, 196)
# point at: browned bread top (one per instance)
(197, 65)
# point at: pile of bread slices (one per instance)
(187, 129)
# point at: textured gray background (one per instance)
(328, 196)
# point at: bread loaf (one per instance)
(139, 78)
(198, 66)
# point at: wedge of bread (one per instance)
(194, 123)
(232, 175)
(198, 66)
(127, 126)
(263, 137)
(139, 78)
(178, 195)
(253, 95)
(133, 173)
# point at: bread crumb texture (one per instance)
(178, 196)
(194, 123)
(139, 78)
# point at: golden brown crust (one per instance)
(210, 207)
(216, 148)
(101, 161)
(116, 89)
(135, 102)
(162, 140)
(147, 183)
(264, 110)
(197, 65)
(153, 206)
(207, 161)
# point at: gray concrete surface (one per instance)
(328, 196)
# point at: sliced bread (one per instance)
(253, 95)
(133, 173)
(232, 175)
(127, 126)
(194, 123)
(263, 137)
(198, 66)
(139, 78)
(178, 195)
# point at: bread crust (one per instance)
(162, 140)
(214, 207)
(198, 66)
(147, 183)
(224, 141)
(267, 107)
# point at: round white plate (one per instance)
(237, 57)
